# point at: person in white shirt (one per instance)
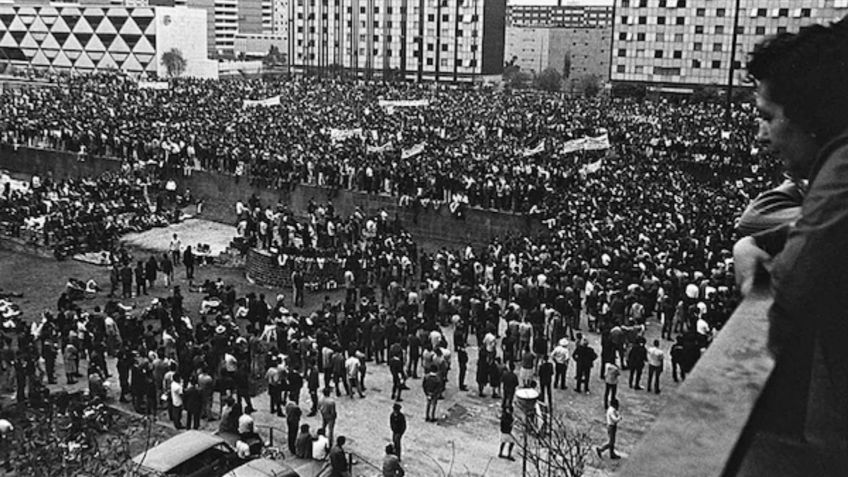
(177, 401)
(560, 356)
(613, 418)
(656, 356)
(352, 366)
(320, 446)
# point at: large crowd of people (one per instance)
(637, 239)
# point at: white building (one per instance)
(87, 39)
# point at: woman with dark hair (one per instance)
(803, 106)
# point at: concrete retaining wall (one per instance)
(220, 193)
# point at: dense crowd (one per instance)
(480, 144)
(638, 239)
(81, 215)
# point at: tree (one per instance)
(174, 62)
(513, 77)
(273, 57)
(559, 449)
(590, 85)
(630, 90)
(706, 94)
(549, 80)
(566, 65)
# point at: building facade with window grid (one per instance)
(559, 15)
(688, 42)
(438, 40)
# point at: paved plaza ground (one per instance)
(463, 443)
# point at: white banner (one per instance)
(152, 85)
(597, 143)
(378, 149)
(536, 150)
(573, 145)
(413, 151)
(404, 103)
(592, 168)
(273, 101)
(586, 144)
(339, 135)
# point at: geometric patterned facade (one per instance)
(80, 38)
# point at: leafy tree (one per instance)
(590, 85)
(566, 66)
(513, 77)
(706, 94)
(549, 80)
(174, 62)
(273, 57)
(630, 90)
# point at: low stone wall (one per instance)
(220, 192)
(22, 246)
(263, 268)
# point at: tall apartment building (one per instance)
(683, 43)
(559, 15)
(575, 52)
(439, 40)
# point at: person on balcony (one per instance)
(804, 119)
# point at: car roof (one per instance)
(263, 468)
(177, 450)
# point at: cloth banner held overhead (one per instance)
(413, 151)
(339, 135)
(153, 85)
(378, 149)
(597, 143)
(272, 101)
(404, 103)
(592, 167)
(536, 150)
(573, 145)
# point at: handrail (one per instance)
(696, 434)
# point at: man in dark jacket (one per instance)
(584, 356)
(510, 384)
(636, 361)
(433, 386)
(193, 402)
(397, 422)
(338, 459)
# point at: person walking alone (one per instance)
(613, 418)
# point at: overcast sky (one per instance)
(564, 2)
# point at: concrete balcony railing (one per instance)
(729, 418)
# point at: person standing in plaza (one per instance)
(546, 374)
(656, 357)
(510, 384)
(613, 417)
(611, 382)
(507, 440)
(188, 261)
(167, 267)
(293, 414)
(560, 357)
(175, 247)
(397, 423)
(312, 383)
(462, 358)
(177, 400)
(432, 384)
(636, 362)
(584, 356)
(327, 409)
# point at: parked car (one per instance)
(201, 454)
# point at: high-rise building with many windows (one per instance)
(570, 16)
(438, 40)
(690, 42)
